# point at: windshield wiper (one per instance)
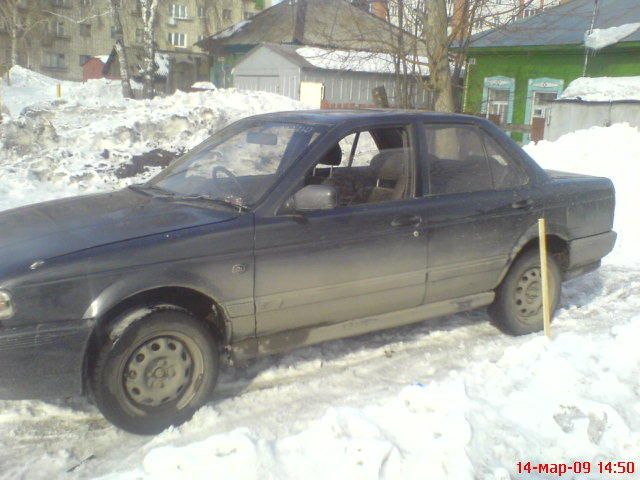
(218, 200)
(152, 190)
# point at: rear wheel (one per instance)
(517, 308)
(157, 373)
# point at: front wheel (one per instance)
(517, 308)
(157, 373)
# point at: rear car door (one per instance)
(363, 258)
(481, 204)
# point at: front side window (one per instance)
(238, 165)
(369, 166)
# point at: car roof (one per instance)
(335, 117)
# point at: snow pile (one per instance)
(351, 60)
(600, 38)
(204, 86)
(76, 144)
(603, 89)
(612, 152)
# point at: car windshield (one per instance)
(237, 165)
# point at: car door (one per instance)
(350, 262)
(481, 204)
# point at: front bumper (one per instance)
(43, 360)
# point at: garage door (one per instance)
(263, 83)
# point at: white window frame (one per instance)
(178, 11)
(175, 37)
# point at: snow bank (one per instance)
(76, 144)
(603, 89)
(612, 152)
(600, 38)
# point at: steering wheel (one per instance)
(228, 173)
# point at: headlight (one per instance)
(6, 306)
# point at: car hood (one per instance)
(46, 230)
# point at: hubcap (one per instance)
(528, 295)
(158, 371)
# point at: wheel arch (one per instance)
(557, 245)
(192, 299)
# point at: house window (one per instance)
(178, 39)
(200, 38)
(60, 3)
(84, 59)
(58, 28)
(529, 12)
(498, 97)
(85, 29)
(226, 15)
(248, 15)
(54, 60)
(498, 104)
(201, 12)
(139, 35)
(177, 10)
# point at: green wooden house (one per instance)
(515, 72)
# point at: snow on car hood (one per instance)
(50, 229)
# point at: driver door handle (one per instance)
(406, 221)
(524, 203)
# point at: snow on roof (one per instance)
(227, 32)
(102, 58)
(603, 37)
(355, 61)
(603, 89)
(204, 86)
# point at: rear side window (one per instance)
(505, 171)
(463, 159)
(457, 160)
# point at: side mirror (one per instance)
(315, 197)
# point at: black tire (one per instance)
(517, 308)
(167, 353)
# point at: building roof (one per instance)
(322, 23)
(565, 24)
(338, 60)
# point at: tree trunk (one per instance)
(14, 36)
(437, 41)
(125, 74)
(149, 9)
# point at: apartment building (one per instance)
(67, 33)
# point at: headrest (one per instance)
(333, 157)
(389, 164)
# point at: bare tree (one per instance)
(26, 21)
(121, 51)
(149, 10)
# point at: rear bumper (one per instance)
(585, 253)
(44, 360)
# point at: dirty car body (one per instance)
(370, 244)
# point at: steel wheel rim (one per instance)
(528, 296)
(159, 371)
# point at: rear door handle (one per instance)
(525, 203)
(406, 221)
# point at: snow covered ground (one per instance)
(449, 398)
